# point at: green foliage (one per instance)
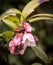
(9, 12)
(12, 22)
(29, 8)
(40, 53)
(9, 21)
(8, 35)
(38, 17)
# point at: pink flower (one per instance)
(27, 27)
(28, 40)
(15, 42)
(19, 49)
(22, 39)
(24, 27)
(20, 42)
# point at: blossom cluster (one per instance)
(22, 39)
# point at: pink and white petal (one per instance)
(11, 43)
(28, 39)
(29, 43)
(23, 50)
(17, 39)
(27, 27)
(28, 36)
(12, 50)
(31, 38)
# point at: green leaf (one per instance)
(40, 18)
(41, 15)
(11, 11)
(29, 8)
(12, 21)
(7, 35)
(36, 64)
(40, 53)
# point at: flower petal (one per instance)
(27, 27)
(12, 50)
(29, 43)
(28, 39)
(11, 43)
(16, 41)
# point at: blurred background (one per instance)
(43, 30)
